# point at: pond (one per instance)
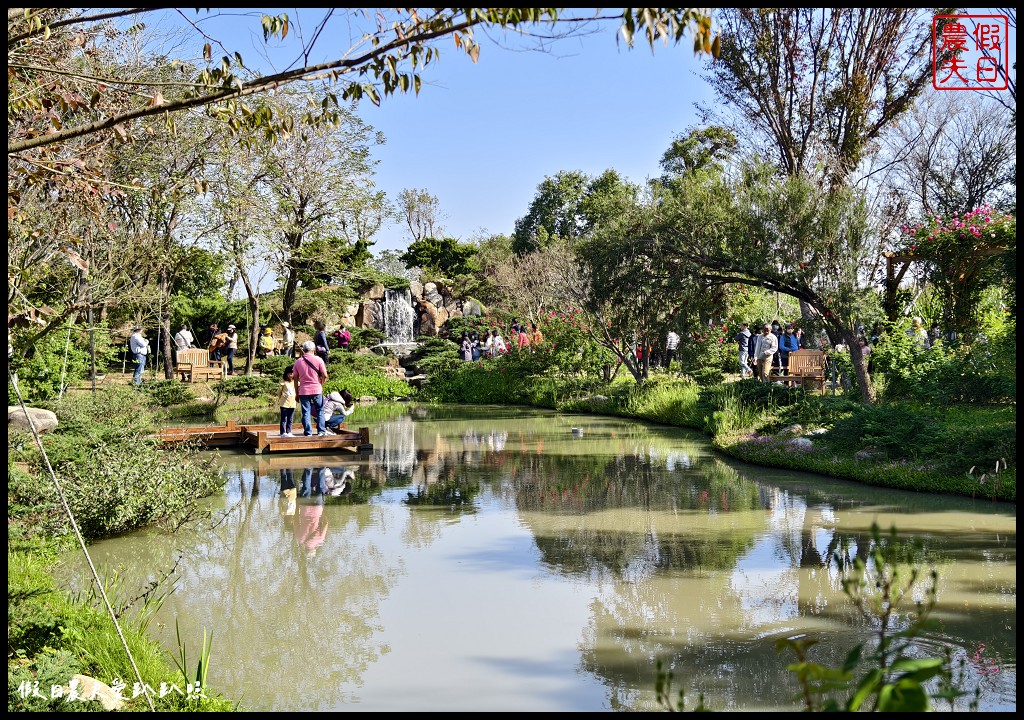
(512, 559)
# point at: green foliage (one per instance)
(315, 304)
(445, 256)
(980, 372)
(273, 366)
(372, 383)
(365, 338)
(962, 256)
(114, 477)
(891, 676)
(568, 206)
(251, 386)
(169, 392)
(39, 374)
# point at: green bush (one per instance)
(364, 338)
(251, 386)
(273, 366)
(39, 375)
(169, 392)
(981, 372)
(375, 384)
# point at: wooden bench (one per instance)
(196, 364)
(807, 366)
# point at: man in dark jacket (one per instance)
(742, 339)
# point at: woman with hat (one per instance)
(288, 345)
(232, 348)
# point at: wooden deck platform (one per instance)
(267, 438)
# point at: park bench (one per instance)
(807, 367)
(197, 365)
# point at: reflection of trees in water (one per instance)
(260, 589)
(699, 625)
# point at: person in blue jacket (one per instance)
(788, 343)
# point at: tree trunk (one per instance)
(254, 322)
(868, 395)
(288, 298)
(165, 324)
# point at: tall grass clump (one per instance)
(672, 402)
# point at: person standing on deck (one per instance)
(311, 374)
(286, 395)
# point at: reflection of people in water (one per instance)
(338, 481)
(310, 526)
(287, 501)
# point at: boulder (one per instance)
(869, 454)
(43, 420)
(375, 293)
(800, 444)
(472, 308)
(792, 430)
(367, 400)
(349, 318)
(430, 323)
(416, 289)
(431, 295)
(370, 315)
(93, 689)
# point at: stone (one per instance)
(794, 429)
(597, 399)
(375, 293)
(869, 454)
(91, 688)
(472, 308)
(43, 420)
(430, 323)
(367, 400)
(817, 432)
(431, 295)
(800, 444)
(370, 315)
(416, 289)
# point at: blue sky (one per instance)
(481, 137)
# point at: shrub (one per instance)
(169, 392)
(39, 374)
(375, 384)
(247, 386)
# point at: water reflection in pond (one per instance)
(512, 559)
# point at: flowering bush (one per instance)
(960, 252)
(707, 352)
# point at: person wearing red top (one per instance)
(523, 341)
(310, 376)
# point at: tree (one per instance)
(794, 235)
(396, 45)
(81, 83)
(818, 85)
(444, 256)
(325, 208)
(568, 206)
(421, 212)
(697, 149)
(239, 208)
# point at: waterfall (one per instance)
(398, 317)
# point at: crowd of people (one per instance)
(522, 337)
